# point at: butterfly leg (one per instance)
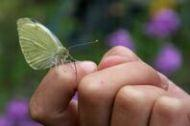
(74, 67)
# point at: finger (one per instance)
(97, 90)
(50, 103)
(172, 88)
(121, 51)
(120, 54)
(133, 105)
(170, 111)
(117, 55)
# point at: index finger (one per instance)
(50, 101)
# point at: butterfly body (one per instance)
(41, 48)
(61, 55)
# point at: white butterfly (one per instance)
(41, 48)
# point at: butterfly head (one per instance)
(62, 53)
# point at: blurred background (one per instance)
(157, 30)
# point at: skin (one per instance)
(122, 90)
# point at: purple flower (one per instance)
(120, 37)
(163, 23)
(168, 60)
(28, 123)
(75, 97)
(5, 122)
(17, 110)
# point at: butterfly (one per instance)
(40, 47)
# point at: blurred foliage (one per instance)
(77, 21)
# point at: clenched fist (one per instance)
(121, 91)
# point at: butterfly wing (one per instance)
(38, 44)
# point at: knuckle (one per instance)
(40, 114)
(91, 90)
(150, 76)
(130, 98)
(168, 107)
(36, 112)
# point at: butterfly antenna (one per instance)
(73, 59)
(81, 44)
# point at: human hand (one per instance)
(121, 91)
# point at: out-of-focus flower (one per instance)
(163, 23)
(120, 37)
(17, 110)
(17, 114)
(75, 97)
(157, 5)
(28, 123)
(5, 122)
(169, 59)
(117, 9)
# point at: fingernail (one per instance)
(88, 66)
(164, 83)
